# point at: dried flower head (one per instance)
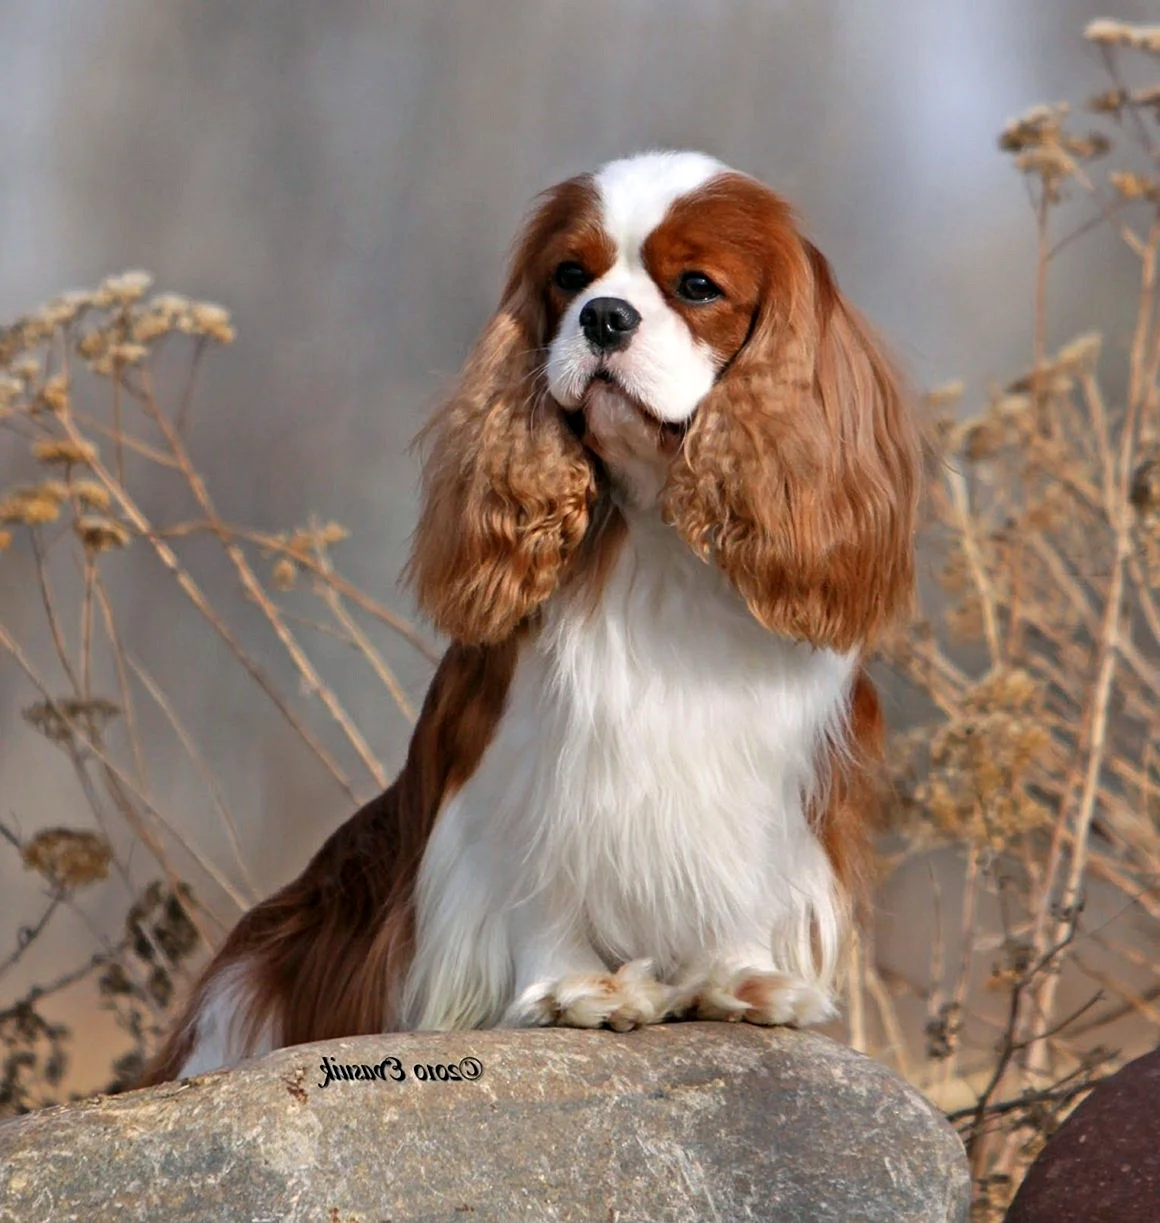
(27, 369)
(1106, 33)
(306, 542)
(945, 395)
(211, 321)
(92, 495)
(986, 761)
(55, 719)
(1132, 186)
(93, 343)
(5, 540)
(160, 919)
(1049, 161)
(1080, 354)
(284, 574)
(116, 356)
(63, 452)
(11, 390)
(124, 289)
(1145, 490)
(1033, 128)
(67, 857)
(33, 505)
(101, 534)
(54, 393)
(1110, 102)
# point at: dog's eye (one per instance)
(697, 287)
(571, 277)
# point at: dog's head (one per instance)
(665, 322)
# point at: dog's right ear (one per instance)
(507, 486)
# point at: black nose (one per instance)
(608, 323)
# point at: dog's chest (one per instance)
(670, 741)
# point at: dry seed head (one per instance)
(54, 393)
(945, 395)
(77, 299)
(63, 310)
(1132, 186)
(1033, 128)
(1144, 494)
(305, 541)
(5, 540)
(63, 452)
(27, 369)
(34, 504)
(124, 289)
(1082, 353)
(1110, 102)
(284, 574)
(980, 439)
(1094, 144)
(92, 495)
(1107, 33)
(1049, 161)
(333, 533)
(101, 534)
(116, 357)
(10, 391)
(1050, 380)
(165, 313)
(172, 304)
(211, 321)
(92, 344)
(55, 719)
(67, 857)
(150, 326)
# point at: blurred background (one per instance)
(345, 178)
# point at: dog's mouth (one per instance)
(669, 434)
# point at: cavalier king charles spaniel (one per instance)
(665, 515)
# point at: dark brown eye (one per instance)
(571, 277)
(697, 287)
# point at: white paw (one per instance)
(628, 998)
(755, 996)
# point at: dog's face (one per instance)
(665, 320)
(654, 274)
(630, 299)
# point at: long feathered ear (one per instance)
(507, 487)
(799, 475)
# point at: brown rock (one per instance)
(1103, 1166)
(682, 1122)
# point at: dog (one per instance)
(666, 515)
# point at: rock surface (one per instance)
(687, 1121)
(1104, 1164)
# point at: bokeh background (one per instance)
(345, 178)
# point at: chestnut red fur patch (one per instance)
(327, 954)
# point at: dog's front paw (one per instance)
(756, 996)
(628, 998)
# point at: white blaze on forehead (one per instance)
(636, 192)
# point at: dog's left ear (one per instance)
(507, 487)
(799, 476)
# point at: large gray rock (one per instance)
(689, 1121)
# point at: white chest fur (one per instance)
(644, 794)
